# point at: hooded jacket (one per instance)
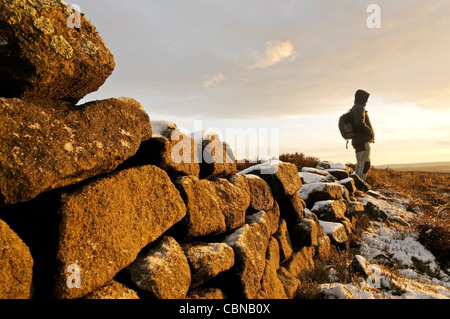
(361, 122)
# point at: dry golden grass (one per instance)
(299, 159)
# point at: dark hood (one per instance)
(361, 97)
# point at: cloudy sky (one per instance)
(286, 66)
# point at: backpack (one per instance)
(345, 125)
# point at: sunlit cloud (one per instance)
(215, 79)
(211, 60)
(276, 51)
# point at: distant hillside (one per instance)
(439, 167)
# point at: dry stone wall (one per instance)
(99, 202)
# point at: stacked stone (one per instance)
(280, 258)
(63, 200)
(94, 203)
(97, 201)
(48, 142)
(329, 193)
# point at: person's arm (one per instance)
(359, 121)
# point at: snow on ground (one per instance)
(395, 256)
(399, 279)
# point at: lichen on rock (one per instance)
(48, 5)
(82, 62)
(89, 48)
(44, 24)
(60, 45)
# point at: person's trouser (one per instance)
(363, 162)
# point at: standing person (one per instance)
(364, 133)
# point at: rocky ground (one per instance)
(392, 263)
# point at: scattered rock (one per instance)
(383, 259)
(374, 211)
(162, 271)
(376, 194)
(43, 148)
(336, 232)
(106, 222)
(336, 291)
(360, 266)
